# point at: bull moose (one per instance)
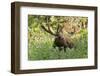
(61, 41)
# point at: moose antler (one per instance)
(48, 30)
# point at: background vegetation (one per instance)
(40, 42)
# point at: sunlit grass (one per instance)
(42, 49)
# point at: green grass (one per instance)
(42, 49)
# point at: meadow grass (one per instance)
(43, 50)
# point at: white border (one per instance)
(25, 64)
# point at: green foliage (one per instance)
(40, 43)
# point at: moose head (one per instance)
(62, 41)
